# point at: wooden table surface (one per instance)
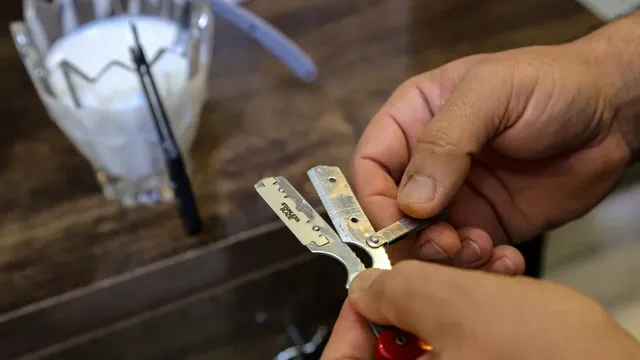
(60, 241)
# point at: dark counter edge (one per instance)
(44, 324)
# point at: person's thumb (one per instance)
(425, 299)
(476, 111)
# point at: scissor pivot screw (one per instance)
(374, 241)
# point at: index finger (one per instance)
(383, 154)
(384, 150)
(351, 339)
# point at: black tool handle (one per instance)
(184, 196)
(180, 182)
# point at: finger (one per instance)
(382, 154)
(425, 299)
(471, 117)
(377, 194)
(351, 338)
(438, 242)
(476, 248)
(506, 260)
(470, 209)
(376, 191)
(385, 147)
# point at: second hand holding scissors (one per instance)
(352, 227)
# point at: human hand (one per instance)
(513, 144)
(467, 314)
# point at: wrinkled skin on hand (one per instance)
(466, 314)
(512, 144)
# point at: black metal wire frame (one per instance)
(69, 69)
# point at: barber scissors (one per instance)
(352, 227)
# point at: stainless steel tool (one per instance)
(352, 227)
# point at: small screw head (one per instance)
(316, 228)
(374, 239)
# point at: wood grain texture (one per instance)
(246, 321)
(92, 311)
(57, 233)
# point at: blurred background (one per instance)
(598, 254)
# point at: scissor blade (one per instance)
(401, 229)
(345, 212)
(306, 224)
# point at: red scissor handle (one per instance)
(395, 344)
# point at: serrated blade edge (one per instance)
(305, 223)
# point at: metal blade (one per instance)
(399, 230)
(345, 212)
(306, 224)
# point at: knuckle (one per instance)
(494, 69)
(416, 80)
(439, 141)
(407, 84)
(421, 84)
